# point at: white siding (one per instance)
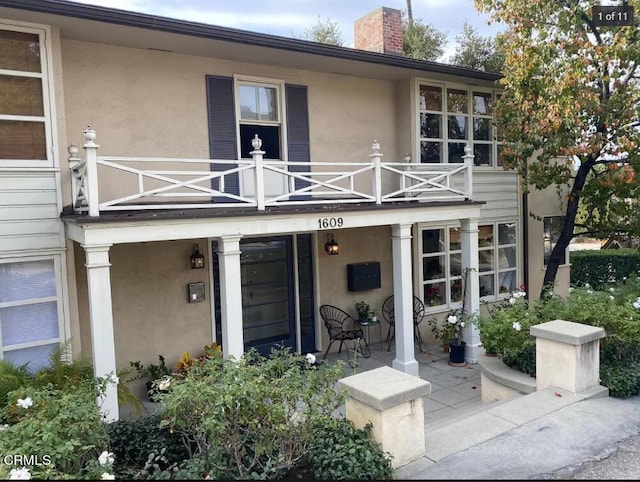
(29, 214)
(499, 190)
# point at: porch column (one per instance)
(101, 321)
(403, 299)
(469, 239)
(231, 297)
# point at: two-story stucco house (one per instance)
(358, 147)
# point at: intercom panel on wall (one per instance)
(196, 292)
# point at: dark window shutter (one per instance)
(297, 131)
(222, 130)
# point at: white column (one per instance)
(101, 320)
(403, 299)
(91, 172)
(231, 297)
(258, 160)
(376, 158)
(469, 239)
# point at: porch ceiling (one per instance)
(145, 226)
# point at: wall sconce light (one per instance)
(197, 258)
(331, 246)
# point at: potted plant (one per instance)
(457, 321)
(443, 331)
(364, 311)
(158, 376)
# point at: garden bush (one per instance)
(64, 427)
(597, 268)
(133, 441)
(338, 451)
(251, 418)
(616, 310)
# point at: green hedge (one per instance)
(599, 267)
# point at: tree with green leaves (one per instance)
(570, 111)
(324, 31)
(421, 40)
(477, 52)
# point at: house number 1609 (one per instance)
(324, 223)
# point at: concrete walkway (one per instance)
(544, 435)
(539, 436)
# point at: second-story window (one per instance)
(23, 120)
(452, 116)
(260, 113)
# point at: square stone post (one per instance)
(392, 402)
(568, 356)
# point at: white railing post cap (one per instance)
(89, 137)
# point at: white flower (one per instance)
(611, 298)
(517, 326)
(611, 290)
(107, 476)
(113, 379)
(105, 458)
(512, 301)
(571, 289)
(453, 319)
(20, 474)
(587, 285)
(636, 305)
(164, 384)
(4, 427)
(26, 403)
(589, 291)
(311, 358)
(462, 324)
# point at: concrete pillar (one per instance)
(231, 297)
(101, 322)
(392, 402)
(403, 299)
(469, 241)
(568, 356)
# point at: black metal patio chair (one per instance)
(342, 327)
(389, 317)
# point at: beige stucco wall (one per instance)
(151, 314)
(356, 246)
(547, 202)
(150, 103)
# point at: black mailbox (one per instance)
(363, 276)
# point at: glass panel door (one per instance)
(267, 293)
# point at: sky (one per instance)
(289, 18)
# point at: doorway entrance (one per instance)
(277, 293)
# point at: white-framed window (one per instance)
(31, 311)
(440, 263)
(552, 227)
(260, 110)
(25, 130)
(450, 116)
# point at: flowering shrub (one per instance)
(616, 309)
(251, 417)
(64, 427)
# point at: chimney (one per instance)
(380, 31)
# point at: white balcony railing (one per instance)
(169, 183)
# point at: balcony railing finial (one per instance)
(256, 143)
(73, 151)
(375, 147)
(89, 137)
